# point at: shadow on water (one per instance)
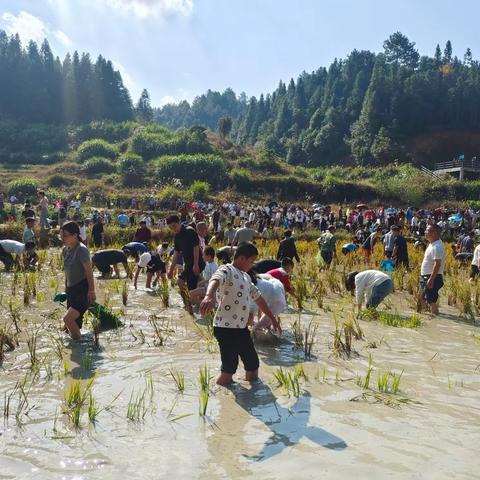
(288, 425)
(281, 353)
(465, 319)
(86, 356)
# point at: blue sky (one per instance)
(177, 49)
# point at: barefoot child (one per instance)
(230, 323)
(210, 268)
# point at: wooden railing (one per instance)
(472, 163)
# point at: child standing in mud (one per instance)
(235, 289)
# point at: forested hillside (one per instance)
(36, 87)
(368, 108)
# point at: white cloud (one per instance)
(27, 26)
(63, 38)
(167, 99)
(33, 28)
(155, 8)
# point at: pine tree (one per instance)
(143, 109)
(447, 53)
(438, 55)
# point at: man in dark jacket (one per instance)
(287, 247)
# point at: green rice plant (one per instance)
(57, 346)
(14, 284)
(204, 384)
(66, 369)
(53, 284)
(207, 333)
(179, 379)
(32, 349)
(343, 337)
(93, 409)
(299, 370)
(14, 310)
(137, 408)
(333, 281)
(465, 302)
(305, 337)
(391, 319)
(116, 285)
(203, 402)
(289, 380)
(165, 294)
(389, 382)
(319, 292)
(5, 340)
(399, 277)
(204, 378)
(185, 294)
(47, 365)
(26, 293)
(365, 381)
(149, 385)
(124, 293)
(160, 332)
(301, 289)
(22, 388)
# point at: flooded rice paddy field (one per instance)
(400, 403)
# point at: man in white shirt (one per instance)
(7, 247)
(431, 271)
(372, 285)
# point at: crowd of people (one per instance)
(214, 258)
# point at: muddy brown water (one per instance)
(250, 430)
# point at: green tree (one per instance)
(447, 53)
(143, 109)
(398, 48)
(382, 149)
(225, 126)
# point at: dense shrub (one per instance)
(34, 138)
(99, 165)
(132, 170)
(188, 168)
(154, 142)
(170, 193)
(28, 186)
(240, 179)
(96, 148)
(58, 180)
(109, 131)
(199, 190)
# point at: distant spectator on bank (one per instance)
(143, 233)
(43, 206)
(123, 219)
(97, 232)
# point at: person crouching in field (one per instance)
(373, 285)
(78, 278)
(230, 322)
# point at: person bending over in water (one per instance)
(155, 267)
(370, 284)
(80, 285)
(230, 322)
(104, 260)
